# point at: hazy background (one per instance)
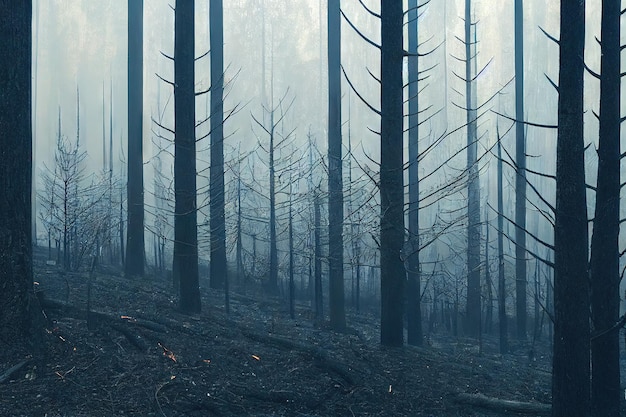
(82, 44)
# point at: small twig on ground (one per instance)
(156, 396)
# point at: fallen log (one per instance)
(321, 357)
(135, 339)
(12, 370)
(504, 406)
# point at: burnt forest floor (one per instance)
(141, 357)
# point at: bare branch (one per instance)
(556, 87)
(544, 126)
(365, 38)
(370, 11)
(203, 55)
(372, 108)
(167, 56)
(552, 38)
(592, 72)
(164, 80)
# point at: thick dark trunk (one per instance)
(335, 183)
(16, 276)
(185, 221)
(135, 237)
(393, 274)
(217, 217)
(414, 310)
(570, 368)
(605, 381)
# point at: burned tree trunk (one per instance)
(185, 220)
(570, 368)
(217, 216)
(393, 273)
(605, 381)
(16, 275)
(135, 237)
(335, 182)
(520, 178)
(414, 310)
(473, 318)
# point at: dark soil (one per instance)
(140, 356)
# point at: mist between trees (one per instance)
(432, 162)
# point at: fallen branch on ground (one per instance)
(12, 370)
(501, 405)
(322, 358)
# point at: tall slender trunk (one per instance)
(319, 297)
(335, 179)
(135, 244)
(217, 215)
(391, 176)
(473, 318)
(239, 254)
(605, 381)
(488, 283)
(520, 178)
(273, 283)
(35, 65)
(502, 319)
(185, 225)
(414, 308)
(292, 288)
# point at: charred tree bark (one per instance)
(570, 368)
(393, 273)
(502, 320)
(319, 294)
(135, 237)
(605, 276)
(273, 282)
(473, 318)
(520, 178)
(335, 179)
(16, 275)
(414, 310)
(292, 285)
(217, 216)
(185, 220)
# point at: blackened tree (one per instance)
(217, 216)
(414, 311)
(16, 275)
(605, 381)
(185, 213)
(473, 185)
(520, 178)
(134, 265)
(570, 367)
(502, 320)
(393, 273)
(335, 182)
